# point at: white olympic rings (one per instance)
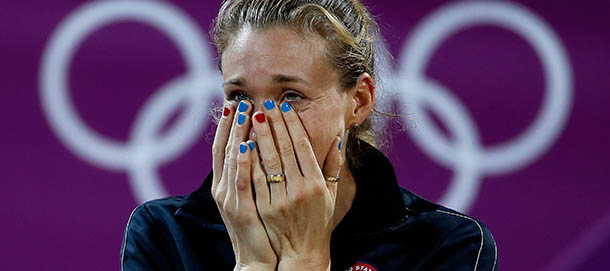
(145, 151)
(467, 156)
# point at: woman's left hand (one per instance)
(298, 212)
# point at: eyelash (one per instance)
(235, 95)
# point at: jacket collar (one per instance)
(378, 204)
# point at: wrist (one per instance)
(305, 263)
(254, 267)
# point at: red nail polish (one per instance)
(226, 111)
(260, 117)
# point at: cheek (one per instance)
(322, 130)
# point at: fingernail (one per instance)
(340, 143)
(285, 107)
(241, 119)
(251, 144)
(260, 117)
(243, 106)
(226, 111)
(243, 148)
(269, 104)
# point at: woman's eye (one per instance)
(239, 96)
(292, 96)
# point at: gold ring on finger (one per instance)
(275, 178)
(331, 179)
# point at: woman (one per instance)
(297, 183)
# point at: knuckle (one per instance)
(259, 180)
(257, 175)
(266, 213)
(232, 166)
(318, 190)
(263, 132)
(283, 210)
(231, 163)
(276, 117)
(301, 143)
(244, 219)
(227, 208)
(285, 148)
(274, 211)
(243, 162)
(274, 163)
(242, 183)
(299, 197)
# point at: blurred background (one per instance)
(105, 104)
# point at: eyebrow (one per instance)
(281, 78)
(276, 78)
(235, 81)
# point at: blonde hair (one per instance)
(347, 27)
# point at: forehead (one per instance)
(278, 50)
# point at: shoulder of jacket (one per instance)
(442, 218)
(147, 213)
(455, 228)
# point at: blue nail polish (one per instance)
(243, 106)
(269, 104)
(243, 148)
(251, 144)
(241, 119)
(285, 107)
(340, 143)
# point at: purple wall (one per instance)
(132, 123)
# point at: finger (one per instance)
(271, 159)
(300, 140)
(259, 179)
(282, 139)
(243, 185)
(333, 164)
(239, 133)
(220, 142)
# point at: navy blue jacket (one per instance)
(387, 228)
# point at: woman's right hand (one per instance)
(232, 190)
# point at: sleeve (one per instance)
(142, 243)
(469, 246)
